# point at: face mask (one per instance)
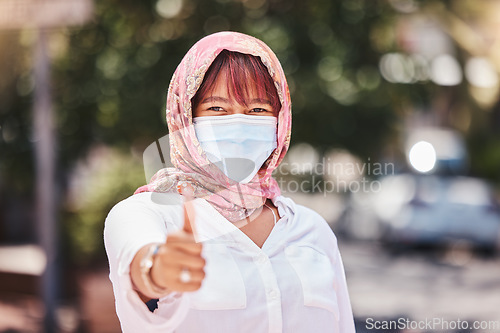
(237, 144)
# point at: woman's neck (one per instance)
(258, 227)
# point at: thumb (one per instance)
(189, 217)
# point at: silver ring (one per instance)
(185, 276)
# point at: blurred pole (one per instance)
(45, 178)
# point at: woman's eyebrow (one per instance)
(210, 99)
(215, 99)
(260, 101)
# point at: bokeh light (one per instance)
(446, 71)
(481, 73)
(422, 156)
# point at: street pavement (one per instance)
(421, 286)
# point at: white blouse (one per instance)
(294, 283)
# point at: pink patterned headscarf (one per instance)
(233, 200)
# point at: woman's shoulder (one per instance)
(308, 228)
(304, 217)
(146, 203)
(293, 207)
(150, 199)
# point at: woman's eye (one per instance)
(258, 110)
(215, 108)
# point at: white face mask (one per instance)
(237, 144)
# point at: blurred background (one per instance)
(396, 100)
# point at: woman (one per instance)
(256, 261)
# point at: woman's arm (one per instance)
(131, 226)
(345, 309)
(141, 277)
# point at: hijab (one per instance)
(235, 201)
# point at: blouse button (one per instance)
(261, 259)
(273, 294)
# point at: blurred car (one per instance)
(433, 210)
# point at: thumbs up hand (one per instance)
(178, 265)
(188, 214)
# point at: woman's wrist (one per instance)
(152, 289)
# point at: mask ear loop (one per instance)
(247, 218)
(272, 211)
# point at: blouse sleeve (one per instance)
(345, 310)
(130, 225)
(328, 241)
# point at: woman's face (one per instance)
(219, 102)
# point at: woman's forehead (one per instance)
(223, 90)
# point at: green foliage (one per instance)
(108, 177)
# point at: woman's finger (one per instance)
(180, 237)
(191, 286)
(197, 275)
(171, 277)
(184, 243)
(174, 283)
(188, 248)
(189, 216)
(182, 259)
